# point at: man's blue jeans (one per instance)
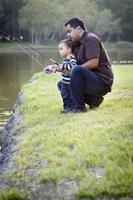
(85, 86)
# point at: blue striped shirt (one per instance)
(67, 66)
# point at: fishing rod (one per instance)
(27, 45)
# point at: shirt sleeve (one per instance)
(69, 64)
(92, 48)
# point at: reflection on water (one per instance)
(16, 68)
(3, 117)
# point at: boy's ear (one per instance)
(70, 49)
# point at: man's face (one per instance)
(73, 33)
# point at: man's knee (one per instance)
(76, 70)
(80, 70)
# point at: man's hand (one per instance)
(50, 69)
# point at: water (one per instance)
(16, 68)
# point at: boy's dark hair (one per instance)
(74, 22)
(69, 43)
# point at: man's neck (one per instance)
(81, 34)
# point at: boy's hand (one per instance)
(49, 69)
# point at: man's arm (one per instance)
(91, 64)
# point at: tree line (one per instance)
(41, 21)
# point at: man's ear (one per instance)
(79, 28)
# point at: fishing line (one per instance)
(24, 43)
(30, 55)
(25, 51)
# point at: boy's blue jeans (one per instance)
(65, 93)
(85, 86)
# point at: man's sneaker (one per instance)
(96, 103)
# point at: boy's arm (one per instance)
(69, 65)
(62, 67)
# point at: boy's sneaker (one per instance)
(66, 110)
(74, 110)
(96, 103)
(79, 110)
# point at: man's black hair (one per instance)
(74, 22)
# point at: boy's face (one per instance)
(73, 33)
(64, 50)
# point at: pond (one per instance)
(16, 68)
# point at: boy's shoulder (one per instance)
(71, 58)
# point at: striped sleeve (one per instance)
(68, 64)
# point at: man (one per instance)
(92, 78)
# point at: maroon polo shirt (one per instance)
(90, 46)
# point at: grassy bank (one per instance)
(95, 149)
(119, 45)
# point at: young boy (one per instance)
(66, 52)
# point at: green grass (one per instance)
(13, 194)
(7, 45)
(119, 45)
(95, 148)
